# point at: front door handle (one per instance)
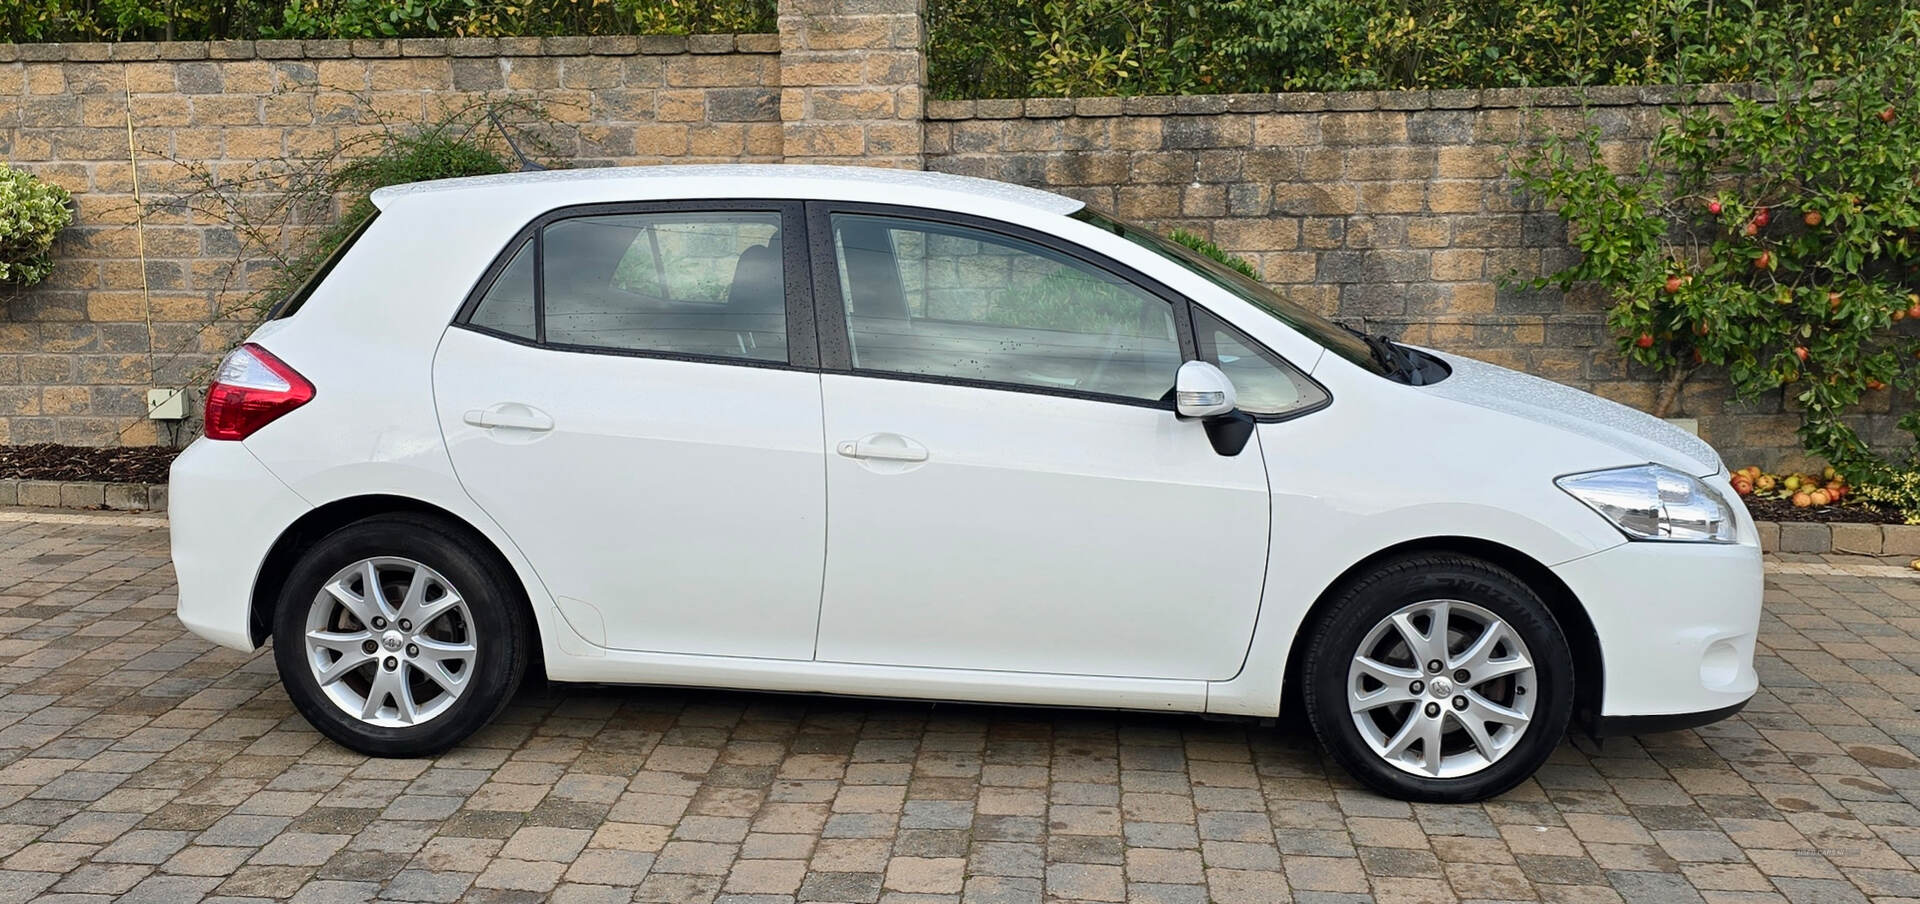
(883, 447)
(510, 416)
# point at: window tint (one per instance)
(685, 283)
(508, 305)
(1263, 383)
(707, 284)
(947, 301)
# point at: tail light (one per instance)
(252, 389)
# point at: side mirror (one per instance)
(1201, 390)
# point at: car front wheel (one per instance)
(394, 638)
(1439, 678)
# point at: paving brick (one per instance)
(1802, 798)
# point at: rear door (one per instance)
(633, 396)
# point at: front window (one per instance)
(952, 302)
(1332, 336)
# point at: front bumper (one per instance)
(1677, 623)
(225, 510)
(1624, 726)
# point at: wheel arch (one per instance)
(1588, 666)
(309, 528)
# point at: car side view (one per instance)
(852, 431)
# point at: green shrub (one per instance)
(1777, 240)
(1895, 489)
(286, 217)
(1207, 248)
(32, 213)
(463, 142)
(1017, 48)
(132, 20)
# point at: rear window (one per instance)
(291, 304)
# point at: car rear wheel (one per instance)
(1439, 678)
(394, 638)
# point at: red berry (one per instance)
(1762, 217)
(1764, 261)
(1713, 207)
(1800, 351)
(1812, 218)
(1886, 115)
(1673, 285)
(1645, 340)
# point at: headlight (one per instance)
(1650, 502)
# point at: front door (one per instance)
(627, 400)
(1008, 487)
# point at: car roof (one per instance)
(773, 180)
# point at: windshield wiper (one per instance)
(1395, 358)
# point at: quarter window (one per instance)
(709, 284)
(1263, 383)
(508, 304)
(947, 301)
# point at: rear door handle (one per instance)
(882, 447)
(510, 416)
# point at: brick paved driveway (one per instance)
(140, 762)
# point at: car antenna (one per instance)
(527, 164)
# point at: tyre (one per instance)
(1438, 678)
(396, 639)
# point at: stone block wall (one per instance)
(852, 81)
(1389, 208)
(1392, 209)
(77, 353)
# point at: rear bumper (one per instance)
(1677, 623)
(225, 510)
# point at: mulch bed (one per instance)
(1850, 513)
(50, 461)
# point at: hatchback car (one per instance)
(854, 431)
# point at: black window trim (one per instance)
(816, 333)
(803, 350)
(1271, 356)
(836, 354)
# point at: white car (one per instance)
(859, 431)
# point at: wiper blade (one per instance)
(1410, 364)
(1396, 358)
(1381, 348)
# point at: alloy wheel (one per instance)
(390, 641)
(1442, 688)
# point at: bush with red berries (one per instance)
(1775, 237)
